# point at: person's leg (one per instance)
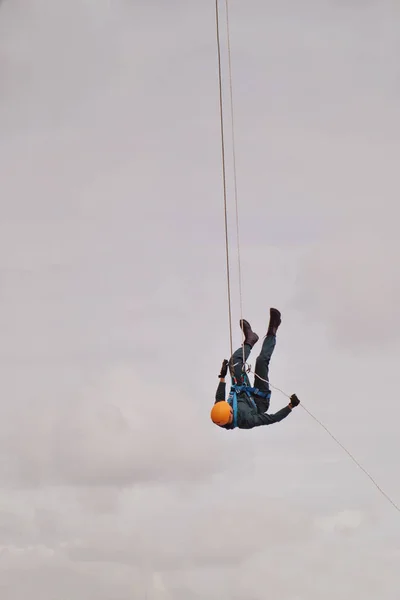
(236, 362)
(261, 378)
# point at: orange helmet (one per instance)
(221, 413)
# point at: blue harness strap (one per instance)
(232, 400)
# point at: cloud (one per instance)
(119, 431)
(351, 286)
(209, 534)
(113, 320)
(343, 522)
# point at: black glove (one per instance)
(224, 369)
(294, 401)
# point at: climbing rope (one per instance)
(235, 186)
(248, 368)
(221, 104)
(221, 111)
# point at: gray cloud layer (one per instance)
(113, 482)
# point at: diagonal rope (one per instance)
(335, 439)
(224, 173)
(359, 465)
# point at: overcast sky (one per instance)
(115, 484)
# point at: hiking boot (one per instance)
(250, 338)
(274, 321)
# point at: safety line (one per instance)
(224, 172)
(356, 462)
(228, 35)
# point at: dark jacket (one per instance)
(247, 415)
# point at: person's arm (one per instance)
(220, 393)
(221, 389)
(256, 419)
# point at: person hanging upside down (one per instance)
(250, 408)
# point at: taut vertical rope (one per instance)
(234, 163)
(224, 173)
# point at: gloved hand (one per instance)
(294, 401)
(224, 369)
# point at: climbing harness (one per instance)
(249, 391)
(237, 389)
(244, 388)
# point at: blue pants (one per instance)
(261, 369)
